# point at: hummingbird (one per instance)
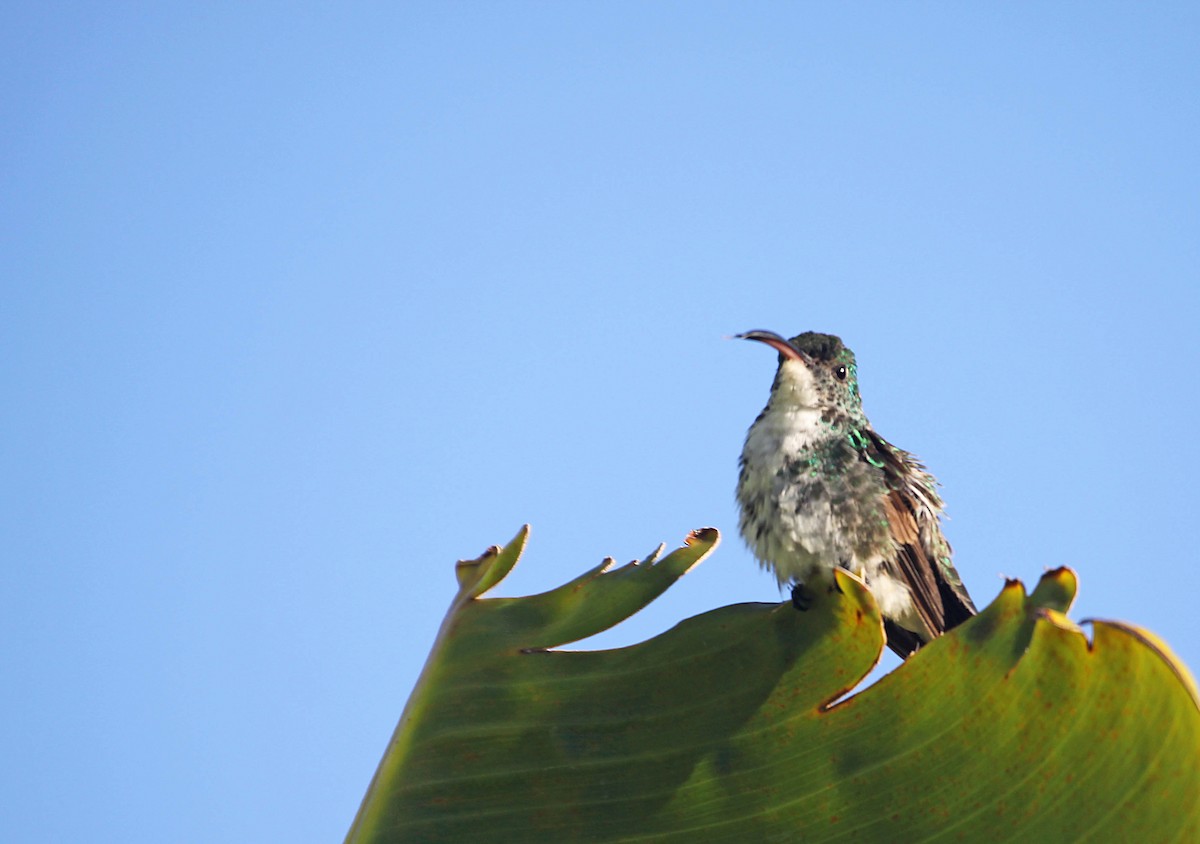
(818, 488)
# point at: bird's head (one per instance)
(816, 372)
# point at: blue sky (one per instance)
(302, 303)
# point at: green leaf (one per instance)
(724, 728)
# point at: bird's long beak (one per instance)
(777, 343)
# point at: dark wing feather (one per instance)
(912, 564)
(923, 555)
(903, 642)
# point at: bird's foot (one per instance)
(802, 597)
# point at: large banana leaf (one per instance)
(724, 728)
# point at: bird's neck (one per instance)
(787, 430)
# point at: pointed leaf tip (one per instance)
(1056, 590)
(481, 574)
(653, 556)
(704, 534)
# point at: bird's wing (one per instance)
(921, 490)
(923, 555)
(912, 564)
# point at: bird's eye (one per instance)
(840, 372)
